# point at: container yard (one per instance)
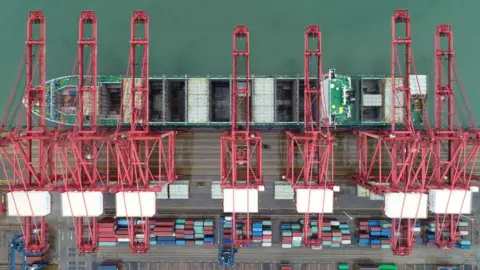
(316, 170)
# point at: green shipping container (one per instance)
(286, 233)
(198, 242)
(463, 224)
(343, 266)
(180, 221)
(208, 223)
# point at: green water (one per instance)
(194, 37)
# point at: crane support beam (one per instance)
(314, 148)
(241, 148)
(395, 163)
(456, 148)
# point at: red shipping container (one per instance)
(189, 232)
(326, 224)
(296, 234)
(346, 237)
(364, 236)
(337, 242)
(106, 225)
(375, 246)
(386, 242)
(179, 235)
(106, 229)
(363, 223)
(207, 231)
(107, 239)
(190, 242)
(463, 229)
(375, 229)
(165, 223)
(163, 234)
(327, 234)
(327, 238)
(208, 243)
(257, 238)
(337, 234)
(188, 227)
(163, 229)
(106, 234)
(179, 231)
(267, 237)
(227, 230)
(363, 228)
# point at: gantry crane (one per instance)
(314, 182)
(33, 178)
(455, 147)
(241, 149)
(83, 187)
(398, 165)
(139, 150)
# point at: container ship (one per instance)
(352, 101)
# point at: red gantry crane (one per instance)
(145, 159)
(241, 149)
(83, 187)
(31, 172)
(398, 165)
(314, 182)
(455, 147)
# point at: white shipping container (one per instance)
(123, 240)
(267, 240)
(266, 244)
(257, 241)
(463, 232)
(346, 242)
(267, 232)
(417, 229)
(297, 238)
(335, 223)
(286, 245)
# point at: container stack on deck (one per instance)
(291, 235)
(374, 233)
(106, 232)
(461, 235)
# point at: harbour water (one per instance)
(194, 37)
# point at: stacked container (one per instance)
(461, 235)
(164, 231)
(462, 231)
(262, 232)
(374, 233)
(227, 237)
(122, 231)
(106, 232)
(267, 233)
(194, 232)
(291, 235)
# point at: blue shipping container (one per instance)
(374, 222)
(180, 242)
(257, 233)
(208, 239)
(364, 241)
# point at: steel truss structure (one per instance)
(455, 147)
(400, 158)
(313, 148)
(241, 148)
(30, 174)
(139, 150)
